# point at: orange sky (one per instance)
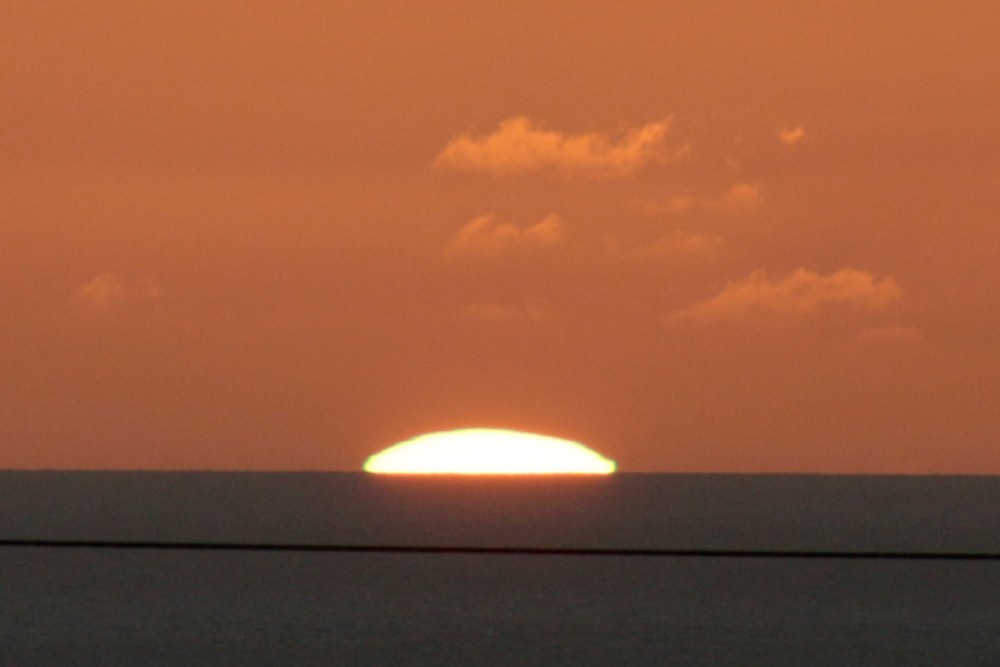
(697, 236)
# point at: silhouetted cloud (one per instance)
(521, 145)
(483, 237)
(759, 297)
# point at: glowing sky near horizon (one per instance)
(711, 236)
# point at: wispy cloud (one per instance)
(522, 145)
(792, 135)
(484, 237)
(111, 289)
(739, 198)
(793, 297)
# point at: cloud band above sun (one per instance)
(521, 145)
(481, 451)
(797, 295)
(484, 237)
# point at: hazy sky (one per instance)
(695, 235)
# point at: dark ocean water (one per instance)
(148, 607)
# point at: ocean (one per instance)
(100, 606)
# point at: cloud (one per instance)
(802, 293)
(739, 198)
(111, 289)
(483, 237)
(675, 244)
(791, 136)
(500, 312)
(520, 145)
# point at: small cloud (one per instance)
(500, 312)
(483, 237)
(740, 198)
(790, 136)
(520, 145)
(111, 289)
(789, 299)
(675, 244)
(891, 334)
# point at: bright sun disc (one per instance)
(483, 451)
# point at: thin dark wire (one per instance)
(514, 551)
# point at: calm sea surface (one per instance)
(147, 607)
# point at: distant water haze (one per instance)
(90, 605)
(659, 511)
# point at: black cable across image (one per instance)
(493, 550)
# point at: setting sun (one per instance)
(483, 451)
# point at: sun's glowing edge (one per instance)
(488, 452)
